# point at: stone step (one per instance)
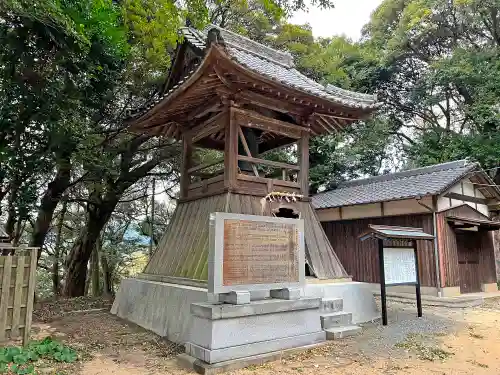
(337, 333)
(330, 305)
(336, 319)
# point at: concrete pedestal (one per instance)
(164, 308)
(222, 333)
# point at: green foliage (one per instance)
(17, 360)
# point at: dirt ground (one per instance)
(444, 341)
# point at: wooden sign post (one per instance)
(398, 264)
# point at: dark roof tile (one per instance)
(430, 180)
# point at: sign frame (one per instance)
(216, 253)
(383, 291)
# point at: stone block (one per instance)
(357, 298)
(235, 298)
(256, 348)
(342, 332)
(331, 305)
(227, 332)
(335, 319)
(286, 293)
(204, 368)
(489, 288)
(262, 307)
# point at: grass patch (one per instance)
(22, 360)
(424, 351)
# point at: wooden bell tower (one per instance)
(236, 132)
(230, 100)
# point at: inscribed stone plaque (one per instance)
(255, 252)
(399, 266)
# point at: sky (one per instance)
(347, 17)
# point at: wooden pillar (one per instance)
(187, 153)
(303, 149)
(383, 297)
(230, 151)
(417, 284)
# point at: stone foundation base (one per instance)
(164, 308)
(226, 332)
(201, 367)
(451, 291)
(489, 288)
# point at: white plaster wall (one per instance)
(468, 188)
(443, 203)
(361, 211)
(479, 194)
(329, 214)
(406, 206)
(465, 187)
(483, 209)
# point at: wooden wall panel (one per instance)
(487, 258)
(360, 259)
(448, 247)
(447, 244)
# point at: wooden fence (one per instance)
(17, 278)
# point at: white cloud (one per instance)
(347, 17)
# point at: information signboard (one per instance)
(399, 266)
(255, 253)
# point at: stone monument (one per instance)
(255, 282)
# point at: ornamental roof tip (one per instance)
(244, 43)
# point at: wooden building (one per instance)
(451, 200)
(240, 99)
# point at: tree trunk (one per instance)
(94, 263)
(107, 272)
(100, 208)
(88, 278)
(56, 280)
(49, 202)
(98, 214)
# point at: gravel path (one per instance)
(403, 323)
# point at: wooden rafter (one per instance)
(327, 125)
(222, 77)
(332, 122)
(207, 127)
(200, 111)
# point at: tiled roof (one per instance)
(278, 66)
(430, 180)
(268, 62)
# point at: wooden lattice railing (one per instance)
(17, 291)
